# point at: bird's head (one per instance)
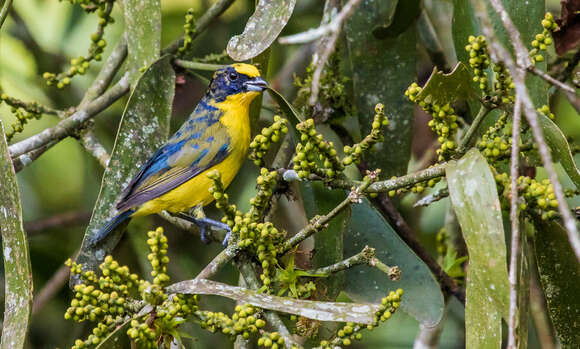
(237, 81)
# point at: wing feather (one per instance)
(198, 145)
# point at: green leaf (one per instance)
(442, 88)
(523, 281)
(560, 276)
(17, 272)
(287, 108)
(400, 18)
(560, 148)
(464, 24)
(322, 311)
(422, 299)
(144, 127)
(328, 243)
(118, 338)
(474, 197)
(382, 70)
(452, 265)
(263, 27)
(143, 31)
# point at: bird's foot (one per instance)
(205, 223)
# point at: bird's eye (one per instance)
(233, 75)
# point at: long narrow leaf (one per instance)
(144, 126)
(475, 200)
(18, 282)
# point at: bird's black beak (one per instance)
(256, 84)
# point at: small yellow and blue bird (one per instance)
(215, 136)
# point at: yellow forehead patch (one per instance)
(246, 69)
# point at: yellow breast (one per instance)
(196, 191)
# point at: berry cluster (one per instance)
(441, 241)
(109, 299)
(538, 195)
(444, 122)
(189, 31)
(24, 112)
(546, 111)
(153, 293)
(353, 153)
(503, 84)
(544, 39)
(160, 326)
(333, 99)
(101, 299)
(271, 340)
(262, 142)
(496, 141)
(312, 145)
(81, 64)
(243, 322)
(479, 60)
(417, 188)
(351, 331)
(248, 230)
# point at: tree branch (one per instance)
(447, 284)
(363, 257)
(202, 23)
(76, 121)
(499, 53)
(318, 222)
(515, 226)
(328, 46)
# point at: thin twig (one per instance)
(447, 284)
(251, 279)
(4, 11)
(197, 65)
(559, 84)
(363, 257)
(319, 222)
(66, 219)
(26, 159)
(107, 73)
(466, 141)
(89, 141)
(410, 179)
(499, 53)
(51, 288)
(515, 225)
(329, 45)
(67, 126)
(539, 308)
(202, 23)
(223, 258)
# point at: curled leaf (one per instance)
(560, 148)
(322, 311)
(261, 30)
(442, 88)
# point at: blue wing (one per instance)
(201, 142)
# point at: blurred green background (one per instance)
(64, 183)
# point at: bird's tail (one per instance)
(110, 226)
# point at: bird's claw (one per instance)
(204, 223)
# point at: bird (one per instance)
(216, 136)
